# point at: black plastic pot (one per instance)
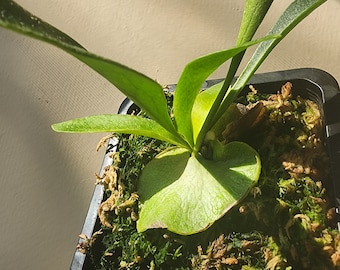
(314, 84)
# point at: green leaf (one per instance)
(191, 80)
(253, 15)
(294, 14)
(118, 123)
(14, 17)
(254, 12)
(145, 92)
(187, 194)
(202, 106)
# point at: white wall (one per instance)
(46, 179)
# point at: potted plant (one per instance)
(204, 170)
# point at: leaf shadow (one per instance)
(225, 173)
(169, 168)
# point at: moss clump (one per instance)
(286, 221)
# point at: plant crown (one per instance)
(181, 189)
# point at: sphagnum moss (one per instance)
(286, 222)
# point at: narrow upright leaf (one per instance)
(253, 15)
(294, 14)
(254, 12)
(191, 80)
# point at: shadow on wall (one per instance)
(46, 178)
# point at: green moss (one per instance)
(284, 223)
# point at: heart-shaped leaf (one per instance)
(187, 194)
